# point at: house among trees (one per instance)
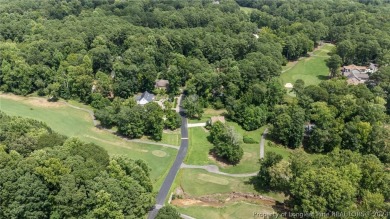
(145, 98)
(162, 84)
(358, 74)
(215, 119)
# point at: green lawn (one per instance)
(76, 123)
(284, 151)
(170, 137)
(312, 70)
(208, 113)
(197, 183)
(199, 147)
(247, 10)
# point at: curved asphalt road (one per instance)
(166, 186)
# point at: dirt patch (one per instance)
(159, 153)
(179, 191)
(34, 101)
(188, 202)
(247, 155)
(219, 200)
(213, 179)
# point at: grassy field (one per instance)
(76, 123)
(198, 183)
(168, 137)
(208, 113)
(247, 10)
(199, 147)
(312, 70)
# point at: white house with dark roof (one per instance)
(145, 98)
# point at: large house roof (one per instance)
(354, 67)
(147, 96)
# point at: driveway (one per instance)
(166, 186)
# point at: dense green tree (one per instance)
(288, 127)
(298, 87)
(173, 120)
(336, 193)
(168, 212)
(131, 122)
(193, 107)
(263, 178)
(226, 143)
(334, 63)
(253, 117)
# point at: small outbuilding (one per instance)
(215, 119)
(162, 84)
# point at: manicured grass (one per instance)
(199, 147)
(312, 70)
(172, 138)
(208, 113)
(284, 151)
(76, 123)
(229, 211)
(198, 182)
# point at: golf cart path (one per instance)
(215, 169)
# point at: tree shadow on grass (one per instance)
(323, 77)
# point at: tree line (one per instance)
(46, 175)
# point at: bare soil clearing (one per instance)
(36, 101)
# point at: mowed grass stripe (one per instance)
(312, 70)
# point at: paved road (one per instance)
(262, 141)
(166, 186)
(201, 124)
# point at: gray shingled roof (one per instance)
(147, 96)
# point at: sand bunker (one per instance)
(288, 85)
(159, 153)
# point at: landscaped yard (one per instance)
(199, 147)
(76, 123)
(312, 70)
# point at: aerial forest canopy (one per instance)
(104, 52)
(95, 51)
(46, 175)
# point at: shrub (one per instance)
(249, 140)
